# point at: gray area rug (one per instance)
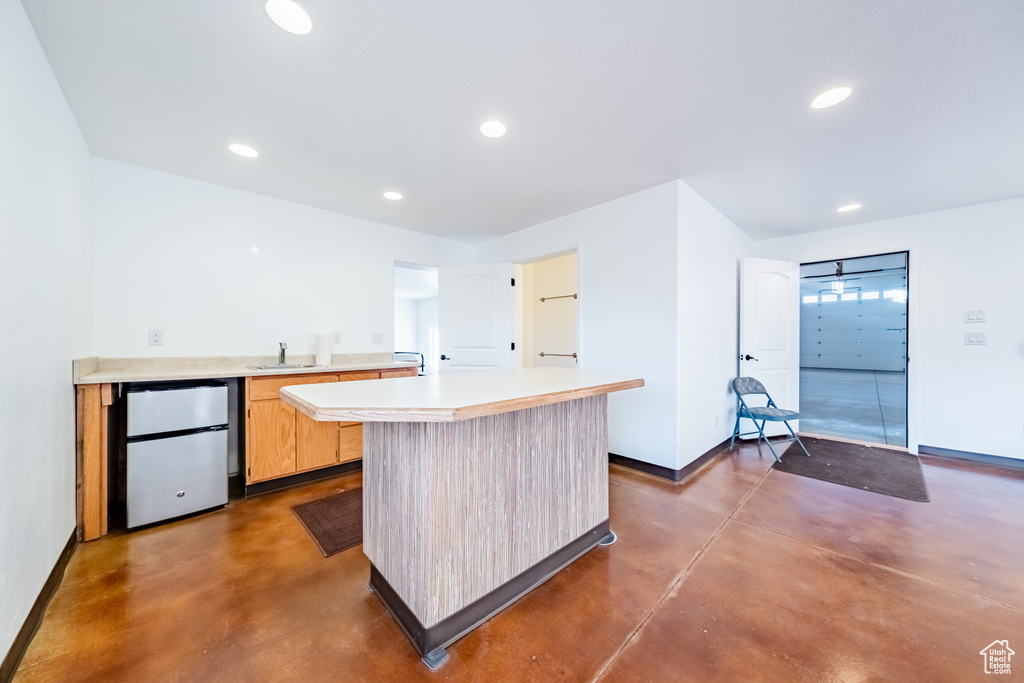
(871, 468)
(335, 522)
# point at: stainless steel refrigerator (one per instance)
(177, 460)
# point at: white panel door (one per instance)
(770, 332)
(475, 317)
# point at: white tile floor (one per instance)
(865, 405)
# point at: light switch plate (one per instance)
(974, 338)
(976, 315)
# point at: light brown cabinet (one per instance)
(269, 440)
(280, 441)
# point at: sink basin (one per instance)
(278, 366)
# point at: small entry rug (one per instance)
(335, 522)
(893, 473)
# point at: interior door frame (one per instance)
(533, 256)
(913, 310)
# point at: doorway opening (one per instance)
(853, 348)
(548, 306)
(416, 321)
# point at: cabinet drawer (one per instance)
(400, 372)
(263, 388)
(351, 442)
(350, 376)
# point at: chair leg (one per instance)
(761, 435)
(735, 431)
(797, 438)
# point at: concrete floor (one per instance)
(741, 573)
(863, 405)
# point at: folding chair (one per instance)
(745, 386)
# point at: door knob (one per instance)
(444, 357)
(747, 357)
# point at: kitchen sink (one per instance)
(278, 366)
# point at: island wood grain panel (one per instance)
(454, 510)
(263, 388)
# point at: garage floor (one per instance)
(863, 405)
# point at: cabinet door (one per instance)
(270, 433)
(350, 445)
(316, 443)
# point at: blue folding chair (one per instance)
(745, 386)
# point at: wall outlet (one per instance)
(336, 338)
(156, 337)
(377, 338)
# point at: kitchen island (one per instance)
(477, 487)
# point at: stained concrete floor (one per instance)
(863, 405)
(741, 573)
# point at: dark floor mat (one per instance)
(872, 468)
(335, 522)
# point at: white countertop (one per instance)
(203, 368)
(445, 398)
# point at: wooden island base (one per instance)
(477, 486)
(463, 518)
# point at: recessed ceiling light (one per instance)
(243, 150)
(831, 97)
(289, 16)
(393, 196)
(493, 129)
(848, 207)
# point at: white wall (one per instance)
(550, 326)
(45, 314)
(627, 307)
(406, 324)
(710, 249)
(961, 397)
(227, 272)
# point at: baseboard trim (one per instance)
(35, 615)
(301, 478)
(998, 460)
(667, 472)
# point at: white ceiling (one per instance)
(601, 99)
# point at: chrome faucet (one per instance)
(280, 354)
